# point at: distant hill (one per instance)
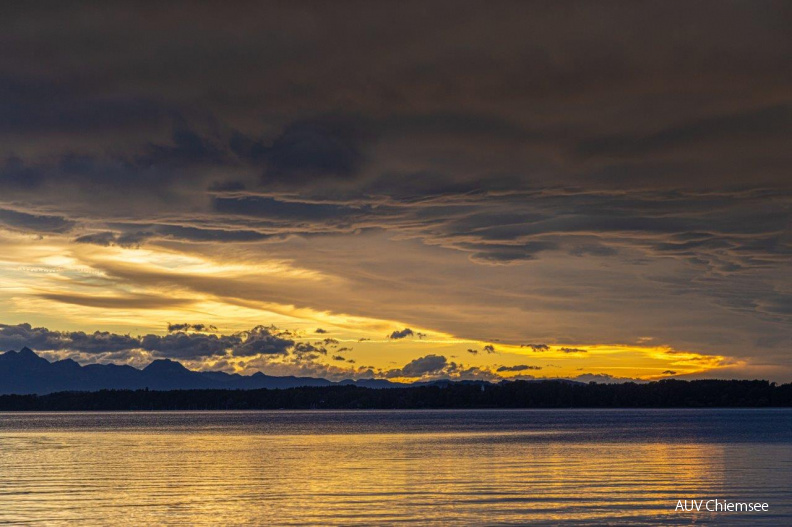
(24, 372)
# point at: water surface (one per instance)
(393, 467)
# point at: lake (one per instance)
(394, 467)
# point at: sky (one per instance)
(405, 190)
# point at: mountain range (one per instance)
(24, 372)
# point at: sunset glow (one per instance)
(491, 186)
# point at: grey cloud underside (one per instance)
(721, 233)
(35, 223)
(258, 341)
(438, 366)
(401, 334)
(421, 366)
(510, 134)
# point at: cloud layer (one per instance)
(507, 173)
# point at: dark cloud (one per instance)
(489, 348)
(188, 345)
(421, 366)
(536, 347)
(44, 224)
(16, 174)
(505, 254)
(401, 334)
(306, 348)
(320, 330)
(134, 238)
(277, 210)
(36, 105)
(519, 367)
(107, 238)
(104, 238)
(439, 367)
(187, 148)
(260, 340)
(755, 125)
(39, 338)
(196, 234)
(571, 350)
(191, 327)
(325, 148)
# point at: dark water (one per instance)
(422, 467)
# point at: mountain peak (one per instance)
(67, 363)
(165, 366)
(25, 355)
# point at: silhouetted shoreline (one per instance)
(517, 394)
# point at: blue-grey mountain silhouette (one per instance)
(24, 372)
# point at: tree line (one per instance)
(517, 394)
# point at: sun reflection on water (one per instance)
(178, 472)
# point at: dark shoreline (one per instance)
(509, 395)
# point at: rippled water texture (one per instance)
(453, 467)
